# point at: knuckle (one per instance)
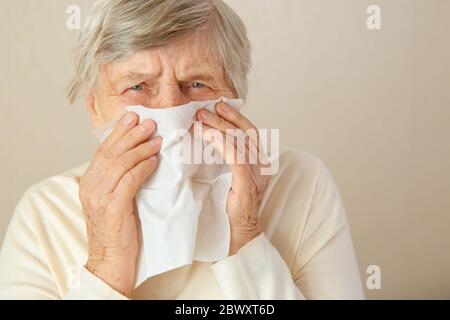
(221, 123)
(234, 115)
(101, 150)
(90, 202)
(121, 163)
(130, 178)
(110, 154)
(105, 153)
(135, 134)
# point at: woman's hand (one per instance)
(248, 185)
(122, 163)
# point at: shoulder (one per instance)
(302, 172)
(300, 159)
(300, 182)
(294, 178)
(298, 167)
(56, 195)
(58, 184)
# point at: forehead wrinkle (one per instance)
(142, 66)
(199, 71)
(199, 46)
(142, 62)
(198, 63)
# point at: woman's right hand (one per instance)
(122, 163)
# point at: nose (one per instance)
(169, 95)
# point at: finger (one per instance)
(234, 134)
(234, 117)
(133, 179)
(233, 154)
(214, 121)
(132, 138)
(243, 172)
(224, 144)
(127, 161)
(229, 118)
(126, 123)
(238, 152)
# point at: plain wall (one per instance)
(373, 105)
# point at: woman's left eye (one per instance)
(197, 85)
(138, 87)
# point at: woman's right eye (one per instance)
(197, 85)
(138, 87)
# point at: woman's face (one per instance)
(159, 78)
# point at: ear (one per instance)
(91, 106)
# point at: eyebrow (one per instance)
(127, 78)
(204, 74)
(199, 76)
(133, 77)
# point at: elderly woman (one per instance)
(288, 235)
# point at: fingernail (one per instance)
(157, 141)
(128, 118)
(205, 115)
(224, 108)
(148, 125)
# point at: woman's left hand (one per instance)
(246, 160)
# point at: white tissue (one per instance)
(182, 207)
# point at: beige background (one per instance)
(374, 105)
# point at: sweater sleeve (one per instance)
(324, 263)
(326, 266)
(26, 271)
(256, 272)
(86, 286)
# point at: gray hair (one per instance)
(116, 29)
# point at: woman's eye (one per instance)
(197, 85)
(138, 87)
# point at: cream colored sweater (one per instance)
(305, 251)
